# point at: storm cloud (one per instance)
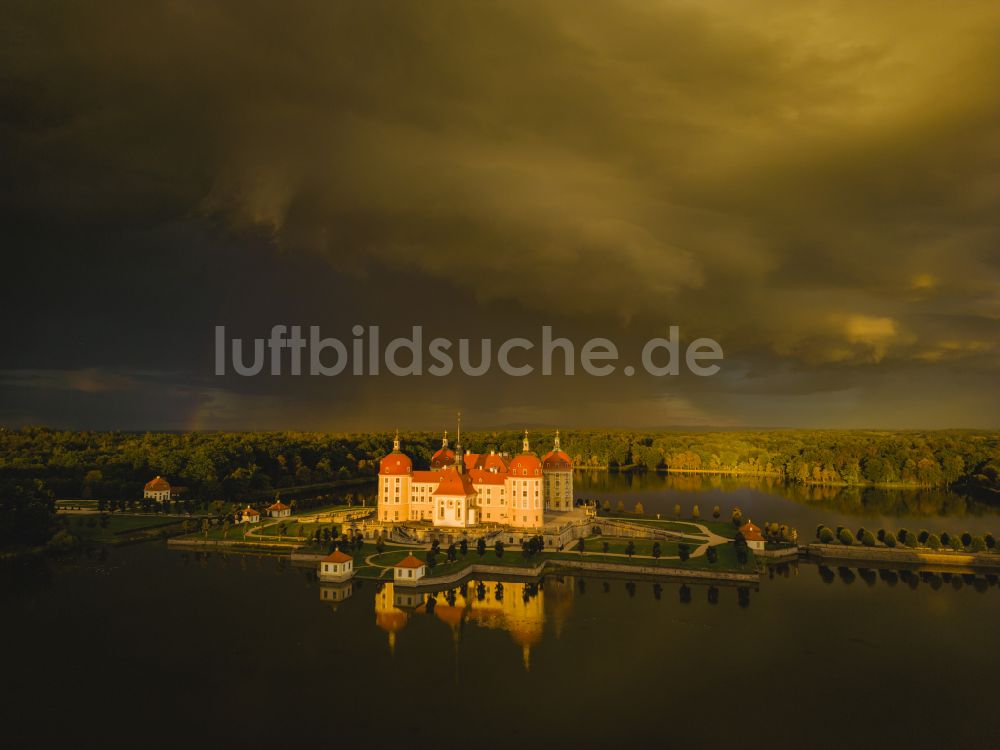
(813, 185)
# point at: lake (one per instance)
(152, 646)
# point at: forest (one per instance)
(38, 463)
(230, 464)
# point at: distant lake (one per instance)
(801, 506)
(152, 646)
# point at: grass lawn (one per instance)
(118, 525)
(727, 559)
(722, 528)
(617, 545)
(294, 528)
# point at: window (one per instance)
(409, 573)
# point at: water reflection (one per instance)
(523, 610)
(768, 498)
(913, 578)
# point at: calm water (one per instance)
(802, 507)
(148, 645)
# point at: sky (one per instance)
(813, 185)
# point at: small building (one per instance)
(409, 570)
(248, 515)
(278, 510)
(337, 566)
(157, 489)
(754, 538)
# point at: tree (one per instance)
(639, 510)
(966, 538)
(498, 548)
(630, 548)
(716, 512)
(977, 544)
(605, 547)
(991, 542)
(933, 541)
(380, 544)
(452, 552)
(677, 510)
(27, 511)
(656, 550)
(620, 508)
(580, 545)
(922, 536)
(696, 512)
(463, 547)
(683, 551)
(712, 555)
(826, 535)
(846, 537)
(868, 539)
(481, 546)
(889, 539)
(737, 517)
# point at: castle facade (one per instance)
(466, 489)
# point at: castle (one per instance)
(461, 489)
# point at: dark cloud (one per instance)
(813, 185)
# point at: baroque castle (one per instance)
(467, 489)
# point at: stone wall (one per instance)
(904, 556)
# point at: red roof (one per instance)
(395, 463)
(337, 557)
(410, 562)
(526, 464)
(278, 505)
(557, 460)
(426, 476)
(453, 483)
(442, 457)
(158, 484)
(481, 476)
(248, 511)
(488, 461)
(751, 533)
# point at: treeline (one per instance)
(229, 466)
(821, 457)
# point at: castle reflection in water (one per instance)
(520, 609)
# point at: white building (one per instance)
(409, 570)
(279, 510)
(337, 566)
(157, 489)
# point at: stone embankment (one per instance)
(903, 556)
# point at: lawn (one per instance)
(721, 528)
(117, 525)
(617, 545)
(294, 528)
(726, 562)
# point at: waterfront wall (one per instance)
(905, 555)
(587, 566)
